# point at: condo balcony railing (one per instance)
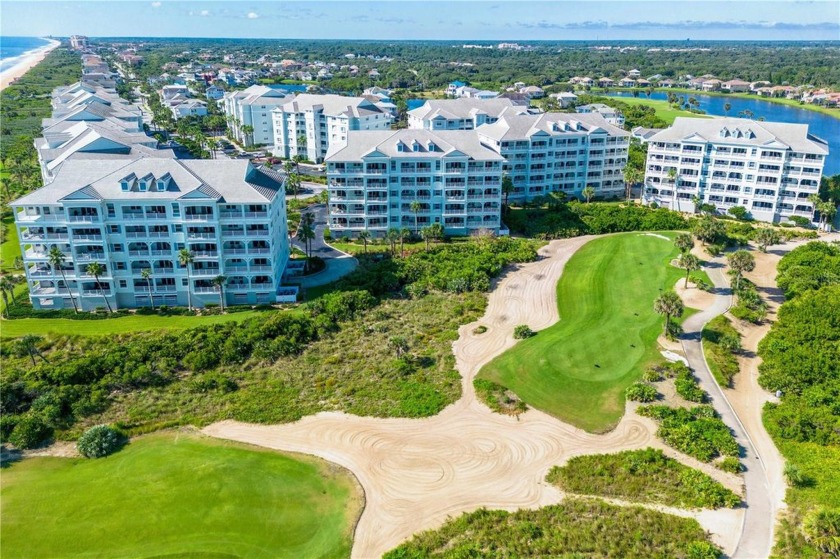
(233, 233)
(198, 217)
(206, 271)
(87, 237)
(199, 236)
(206, 254)
(231, 215)
(82, 218)
(88, 256)
(253, 215)
(44, 236)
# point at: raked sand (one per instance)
(417, 472)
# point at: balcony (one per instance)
(199, 217)
(44, 236)
(88, 256)
(206, 254)
(233, 233)
(23, 217)
(259, 250)
(200, 236)
(155, 215)
(96, 238)
(128, 216)
(261, 268)
(255, 215)
(40, 273)
(231, 215)
(206, 272)
(83, 218)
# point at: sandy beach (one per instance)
(25, 64)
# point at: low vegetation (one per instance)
(498, 398)
(178, 495)
(801, 359)
(641, 392)
(100, 441)
(575, 528)
(645, 476)
(557, 219)
(721, 343)
(697, 431)
(334, 353)
(687, 387)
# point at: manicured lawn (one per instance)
(663, 108)
(178, 495)
(577, 369)
(121, 325)
(10, 249)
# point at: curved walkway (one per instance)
(756, 538)
(417, 472)
(338, 264)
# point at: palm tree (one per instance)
(588, 193)
(364, 236)
(726, 107)
(96, 269)
(670, 305)
(29, 345)
(426, 233)
(507, 189)
(765, 237)
(740, 261)
(186, 258)
(146, 274)
(632, 175)
(689, 263)
(306, 233)
(400, 345)
(393, 236)
(6, 285)
(247, 131)
(415, 209)
(405, 234)
(220, 281)
(56, 259)
(684, 242)
(437, 231)
(301, 143)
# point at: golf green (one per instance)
(578, 369)
(178, 495)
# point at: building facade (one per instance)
(248, 113)
(769, 168)
(412, 179)
(460, 114)
(133, 218)
(310, 124)
(559, 152)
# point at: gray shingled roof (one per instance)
(361, 143)
(461, 108)
(779, 135)
(523, 126)
(332, 105)
(231, 181)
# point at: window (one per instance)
(115, 229)
(124, 186)
(178, 228)
(123, 284)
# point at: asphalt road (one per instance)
(338, 264)
(756, 537)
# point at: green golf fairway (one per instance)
(578, 369)
(178, 495)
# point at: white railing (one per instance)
(83, 218)
(252, 215)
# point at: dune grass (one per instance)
(178, 495)
(578, 369)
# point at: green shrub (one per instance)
(479, 329)
(30, 431)
(99, 441)
(653, 374)
(646, 476)
(720, 342)
(688, 388)
(822, 530)
(522, 331)
(498, 398)
(698, 431)
(641, 392)
(730, 464)
(702, 550)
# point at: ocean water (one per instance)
(13, 48)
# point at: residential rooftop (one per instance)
(401, 143)
(523, 126)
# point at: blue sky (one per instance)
(520, 20)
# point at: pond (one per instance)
(820, 125)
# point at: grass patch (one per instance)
(10, 248)
(574, 528)
(723, 364)
(646, 476)
(106, 327)
(579, 368)
(664, 110)
(178, 495)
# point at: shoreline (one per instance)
(835, 113)
(26, 63)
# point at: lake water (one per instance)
(291, 88)
(820, 125)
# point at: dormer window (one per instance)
(724, 133)
(124, 186)
(400, 146)
(143, 186)
(415, 146)
(432, 147)
(161, 185)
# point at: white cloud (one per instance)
(253, 15)
(205, 12)
(156, 4)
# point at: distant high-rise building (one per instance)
(78, 42)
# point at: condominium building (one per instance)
(460, 114)
(769, 168)
(134, 216)
(252, 107)
(413, 178)
(78, 42)
(610, 114)
(310, 125)
(559, 152)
